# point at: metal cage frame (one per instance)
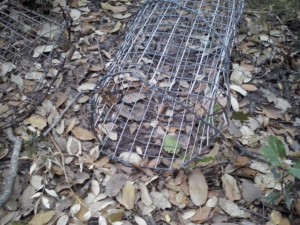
(165, 97)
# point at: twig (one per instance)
(245, 152)
(62, 159)
(62, 114)
(14, 163)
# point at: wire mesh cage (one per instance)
(30, 59)
(165, 96)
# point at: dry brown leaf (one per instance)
(128, 195)
(59, 98)
(36, 121)
(249, 87)
(232, 209)
(202, 214)
(159, 200)
(297, 207)
(42, 218)
(198, 187)
(116, 28)
(276, 217)
(250, 191)
(145, 196)
(114, 215)
(232, 191)
(114, 9)
(131, 157)
(272, 112)
(133, 97)
(74, 146)
(114, 184)
(140, 220)
(72, 123)
(82, 134)
(86, 87)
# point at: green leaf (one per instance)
(269, 154)
(288, 195)
(295, 172)
(276, 173)
(206, 159)
(18, 223)
(273, 198)
(170, 144)
(297, 165)
(240, 116)
(277, 145)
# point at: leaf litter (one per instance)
(71, 182)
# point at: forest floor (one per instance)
(250, 176)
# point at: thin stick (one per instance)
(62, 114)
(245, 152)
(62, 159)
(14, 164)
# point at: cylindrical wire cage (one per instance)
(30, 59)
(165, 96)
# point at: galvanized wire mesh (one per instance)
(30, 59)
(165, 96)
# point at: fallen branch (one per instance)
(245, 152)
(14, 163)
(62, 114)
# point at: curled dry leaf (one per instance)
(82, 134)
(198, 187)
(116, 28)
(114, 9)
(230, 186)
(130, 157)
(128, 195)
(114, 184)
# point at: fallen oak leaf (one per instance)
(42, 218)
(36, 121)
(82, 134)
(128, 195)
(198, 187)
(115, 184)
(114, 9)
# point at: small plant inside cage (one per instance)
(165, 96)
(31, 58)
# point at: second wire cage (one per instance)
(165, 96)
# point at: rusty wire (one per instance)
(164, 99)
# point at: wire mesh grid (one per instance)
(30, 59)
(165, 96)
